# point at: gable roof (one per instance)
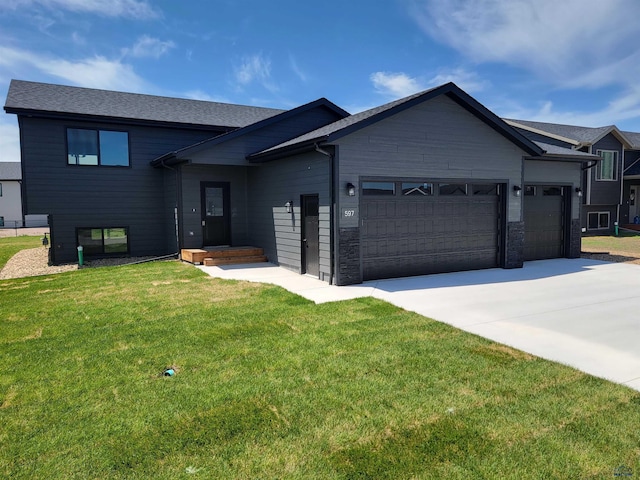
(572, 134)
(43, 98)
(634, 138)
(10, 171)
(360, 120)
(183, 153)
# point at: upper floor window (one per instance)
(97, 147)
(607, 168)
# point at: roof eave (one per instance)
(570, 141)
(306, 146)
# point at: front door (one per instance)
(215, 213)
(310, 235)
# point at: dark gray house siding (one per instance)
(191, 210)
(270, 186)
(435, 140)
(99, 197)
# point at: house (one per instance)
(10, 195)
(610, 186)
(433, 182)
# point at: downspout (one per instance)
(332, 177)
(177, 211)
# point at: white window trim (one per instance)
(599, 152)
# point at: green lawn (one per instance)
(625, 243)
(269, 385)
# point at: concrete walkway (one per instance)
(583, 313)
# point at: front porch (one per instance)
(212, 256)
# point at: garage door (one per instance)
(411, 228)
(543, 222)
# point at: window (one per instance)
(530, 190)
(552, 191)
(485, 190)
(453, 189)
(378, 188)
(598, 221)
(1, 221)
(0, 189)
(420, 189)
(97, 147)
(103, 241)
(607, 169)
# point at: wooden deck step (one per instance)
(223, 255)
(235, 260)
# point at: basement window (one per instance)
(103, 241)
(97, 147)
(598, 221)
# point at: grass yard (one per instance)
(625, 243)
(269, 385)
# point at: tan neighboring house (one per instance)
(11, 199)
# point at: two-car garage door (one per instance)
(415, 228)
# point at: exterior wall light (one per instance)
(289, 206)
(517, 190)
(578, 191)
(351, 189)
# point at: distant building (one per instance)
(11, 199)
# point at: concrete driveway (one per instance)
(583, 313)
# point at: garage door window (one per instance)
(485, 189)
(453, 189)
(420, 189)
(552, 191)
(598, 221)
(378, 188)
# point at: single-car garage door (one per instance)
(416, 228)
(544, 223)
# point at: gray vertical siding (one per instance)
(191, 212)
(269, 187)
(92, 196)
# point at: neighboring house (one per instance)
(612, 186)
(11, 213)
(430, 183)
(10, 195)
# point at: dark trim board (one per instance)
(310, 234)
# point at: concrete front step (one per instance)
(210, 262)
(225, 255)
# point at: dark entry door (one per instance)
(311, 234)
(544, 222)
(215, 213)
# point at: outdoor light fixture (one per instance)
(516, 190)
(351, 189)
(289, 206)
(578, 191)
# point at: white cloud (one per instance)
(252, 68)
(296, 69)
(399, 84)
(255, 68)
(140, 9)
(395, 85)
(202, 95)
(94, 72)
(568, 42)
(147, 46)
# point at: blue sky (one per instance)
(564, 61)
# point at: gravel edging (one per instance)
(34, 262)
